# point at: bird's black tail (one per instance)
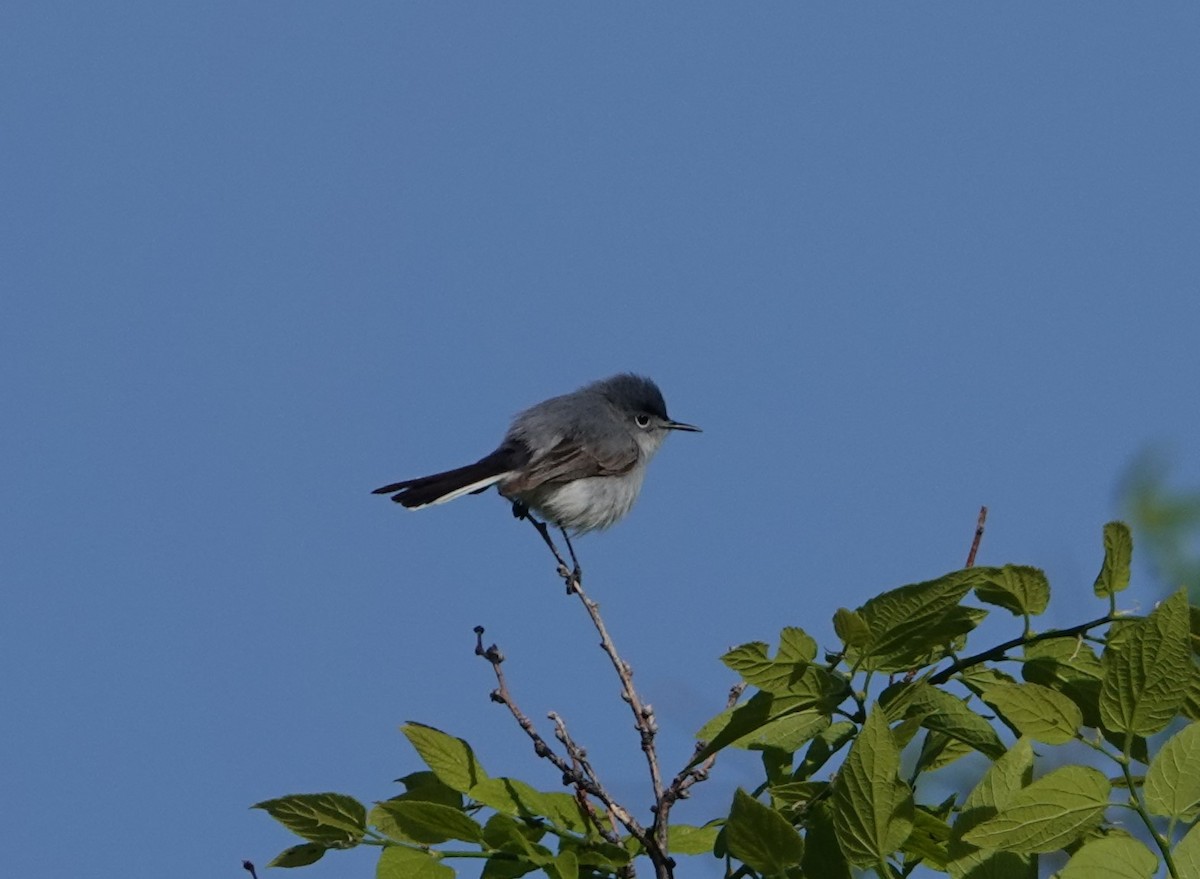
(441, 487)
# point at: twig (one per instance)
(579, 758)
(643, 713)
(999, 650)
(978, 537)
(678, 789)
(572, 775)
(249, 868)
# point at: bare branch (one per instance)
(655, 843)
(643, 712)
(579, 758)
(995, 654)
(978, 537)
(678, 789)
(572, 775)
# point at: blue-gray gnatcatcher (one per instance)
(578, 460)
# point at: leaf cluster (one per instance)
(847, 738)
(515, 827)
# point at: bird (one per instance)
(577, 460)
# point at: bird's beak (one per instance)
(679, 425)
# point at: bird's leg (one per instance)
(521, 511)
(577, 572)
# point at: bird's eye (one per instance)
(642, 420)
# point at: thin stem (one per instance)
(655, 841)
(1135, 802)
(1164, 845)
(997, 653)
(579, 759)
(643, 716)
(978, 537)
(682, 783)
(571, 774)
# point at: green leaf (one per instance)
(911, 626)
(823, 856)
(1191, 702)
(427, 787)
(1172, 787)
(683, 839)
(383, 823)
(796, 645)
(1138, 749)
(872, 808)
(594, 853)
(299, 855)
(939, 710)
(760, 837)
(429, 823)
(1053, 812)
(451, 759)
(504, 834)
(401, 862)
(1039, 712)
(791, 793)
(1003, 780)
(562, 811)
(939, 750)
(824, 746)
(785, 733)
(334, 820)
(738, 725)
(783, 674)
(1016, 588)
(564, 866)
(516, 798)
(1118, 553)
(1070, 666)
(928, 840)
(506, 868)
(777, 764)
(1119, 631)
(1146, 678)
(1112, 857)
(1187, 854)
(851, 628)
(733, 724)
(978, 678)
(752, 662)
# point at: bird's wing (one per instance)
(569, 460)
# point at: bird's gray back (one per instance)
(587, 417)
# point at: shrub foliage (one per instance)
(1103, 710)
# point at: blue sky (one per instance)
(259, 258)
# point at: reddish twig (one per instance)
(978, 537)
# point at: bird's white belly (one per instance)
(591, 503)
